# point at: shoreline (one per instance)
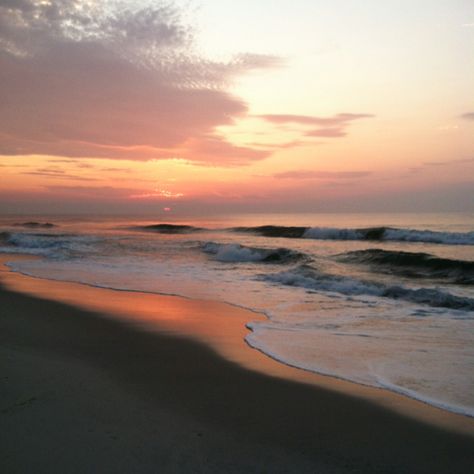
(174, 397)
(222, 326)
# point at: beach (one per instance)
(86, 392)
(236, 237)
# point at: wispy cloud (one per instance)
(112, 170)
(334, 121)
(58, 173)
(448, 162)
(213, 149)
(327, 132)
(328, 127)
(110, 192)
(59, 176)
(280, 146)
(310, 174)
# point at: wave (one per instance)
(4, 238)
(168, 228)
(274, 231)
(391, 234)
(370, 233)
(49, 245)
(35, 225)
(241, 253)
(417, 265)
(305, 276)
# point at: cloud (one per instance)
(110, 192)
(247, 61)
(334, 121)
(58, 175)
(450, 162)
(114, 80)
(427, 165)
(468, 116)
(309, 174)
(327, 133)
(62, 161)
(111, 170)
(280, 146)
(328, 127)
(211, 149)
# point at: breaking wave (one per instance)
(305, 276)
(241, 253)
(414, 265)
(49, 245)
(370, 233)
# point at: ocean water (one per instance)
(380, 300)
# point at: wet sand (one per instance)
(104, 381)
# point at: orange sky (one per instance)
(342, 107)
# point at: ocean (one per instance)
(385, 300)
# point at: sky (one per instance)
(188, 107)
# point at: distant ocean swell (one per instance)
(371, 233)
(168, 228)
(413, 264)
(329, 233)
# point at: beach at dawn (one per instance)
(236, 237)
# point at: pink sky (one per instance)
(138, 109)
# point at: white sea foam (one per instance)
(233, 252)
(328, 233)
(386, 360)
(309, 278)
(239, 253)
(51, 245)
(390, 234)
(449, 238)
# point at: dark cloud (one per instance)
(101, 79)
(308, 174)
(468, 116)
